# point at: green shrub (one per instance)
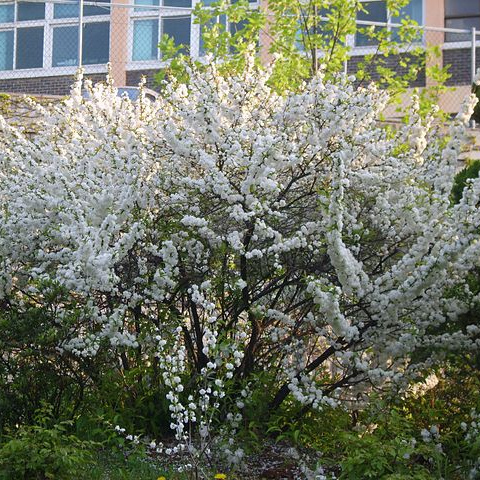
(470, 171)
(41, 452)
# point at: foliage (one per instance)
(421, 436)
(430, 432)
(302, 37)
(43, 451)
(224, 231)
(476, 92)
(31, 371)
(469, 172)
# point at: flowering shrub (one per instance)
(224, 230)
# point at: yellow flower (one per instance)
(220, 476)
(161, 478)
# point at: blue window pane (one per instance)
(96, 43)
(374, 12)
(177, 3)
(412, 11)
(89, 10)
(30, 11)
(65, 11)
(178, 28)
(29, 47)
(6, 50)
(6, 13)
(460, 8)
(146, 2)
(65, 46)
(145, 40)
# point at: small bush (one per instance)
(39, 452)
(470, 171)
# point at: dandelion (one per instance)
(220, 476)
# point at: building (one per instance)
(39, 41)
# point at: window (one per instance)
(95, 48)
(21, 47)
(37, 35)
(29, 50)
(413, 11)
(65, 46)
(376, 11)
(30, 11)
(6, 50)
(72, 10)
(319, 28)
(6, 13)
(146, 35)
(90, 10)
(96, 43)
(171, 17)
(223, 24)
(145, 40)
(179, 29)
(146, 2)
(165, 3)
(65, 11)
(461, 14)
(177, 3)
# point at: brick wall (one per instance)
(58, 85)
(392, 62)
(460, 61)
(134, 77)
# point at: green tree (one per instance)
(303, 36)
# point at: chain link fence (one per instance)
(42, 43)
(445, 60)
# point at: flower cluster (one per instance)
(224, 230)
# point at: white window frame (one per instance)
(157, 13)
(369, 49)
(451, 45)
(48, 24)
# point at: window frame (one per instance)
(49, 23)
(158, 13)
(357, 50)
(452, 43)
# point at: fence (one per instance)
(42, 45)
(448, 56)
